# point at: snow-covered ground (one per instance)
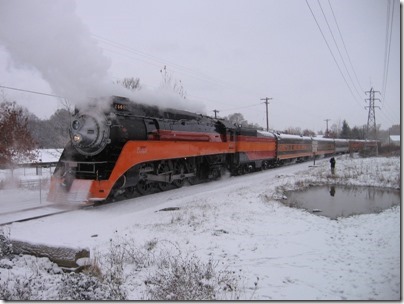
(272, 251)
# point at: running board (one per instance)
(168, 177)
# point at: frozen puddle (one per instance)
(343, 201)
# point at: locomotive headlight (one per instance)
(77, 138)
(75, 125)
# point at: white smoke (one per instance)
(163, 97)
(48, 36)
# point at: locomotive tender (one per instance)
(129, 147)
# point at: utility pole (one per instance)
(326, 130)
(371, 131)
(216, 111)
(266, 103)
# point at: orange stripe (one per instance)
(295, 155)
(136, 152)
(261, 155)
(255, 146)
(243, 138)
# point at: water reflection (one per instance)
(332, 191)
(349, 201)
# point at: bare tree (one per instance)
(333, 131)
(50, 133)
(169, 82)
(130, 83)
(67, 105)
(307, 132)
(293, 130)
(237, 119)
(16, 142)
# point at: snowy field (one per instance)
(235, 233)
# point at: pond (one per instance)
(343, 201)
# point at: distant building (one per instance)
(395, 140)
(44, 158)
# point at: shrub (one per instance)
(16, 289)
(81, 287)
(189, 279)
(6, 248)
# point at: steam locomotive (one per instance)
(127, 148)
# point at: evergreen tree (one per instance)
(346, 130)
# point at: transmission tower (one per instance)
(371, 131)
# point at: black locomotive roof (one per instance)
(226, 123)
(247, 131)
(140, 109)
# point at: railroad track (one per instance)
(27, 214)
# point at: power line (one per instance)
(156, 61)
(346, 50)
(332, 54)
(389, 28)
(386, 64)
(237, 108)
(177, 67)
(29, 91)
(339, 52)
(386, 116)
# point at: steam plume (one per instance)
(48, 36)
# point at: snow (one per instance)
(43, 156)
(280, 253)
(48, 155)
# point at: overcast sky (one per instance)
(228, 54)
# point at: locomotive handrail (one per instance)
(84, 162)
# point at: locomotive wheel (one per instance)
(163, 168)
(130, 192)
(178, 183)
(163, 186)
(143, 187)
(193, 180)
(178, 169)
(216, 174)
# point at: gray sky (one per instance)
(228, 55)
